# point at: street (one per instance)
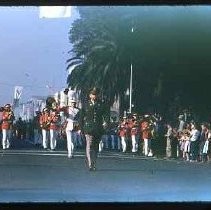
(33, 175)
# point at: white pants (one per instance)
(45, 138)
(6, 135)
(134, 143)
(206, 147)
(123, 142)
(53, 136)
(147, 146)
(101, 145)
(70, 145)
(187, 146)
(168, 147)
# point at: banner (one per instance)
(55, 11)
(18, 92)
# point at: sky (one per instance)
(33, 52)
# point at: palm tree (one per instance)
(99, 53)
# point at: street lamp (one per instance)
(131, 82)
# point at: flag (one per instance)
(55, 11)
(18, 92)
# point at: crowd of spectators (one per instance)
(146, 134)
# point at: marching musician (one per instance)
(54, 127)
(72, 125)
(7, 122)
(146, 131)
(123, 133)
(134, 132)
(45, 126)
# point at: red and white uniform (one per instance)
(45, 126)
(45, 121)
(7, 122)
(133, 133)
(7, 119)
(146, 130)
(123, 134)
(146, 135)
(54, 127)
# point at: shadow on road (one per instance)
(125, 170)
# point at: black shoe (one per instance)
(93, 166)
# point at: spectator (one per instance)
(194, 138)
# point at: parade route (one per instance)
(45, 176)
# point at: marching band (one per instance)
(134, 133)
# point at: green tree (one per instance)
(103, 49)
(160, 48)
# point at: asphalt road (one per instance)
(33, 175)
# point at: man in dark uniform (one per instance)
(92, 122)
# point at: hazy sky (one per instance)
(33, 52)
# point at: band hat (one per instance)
(45, 109)
(7, 105)
(72, 101)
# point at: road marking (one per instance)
(37, 154)
(81, 154)
(63, 153)
(77, 154)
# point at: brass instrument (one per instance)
(45, 125)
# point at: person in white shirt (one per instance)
(194, 137)
(72, 116)
(169, 136)
(205, 147)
